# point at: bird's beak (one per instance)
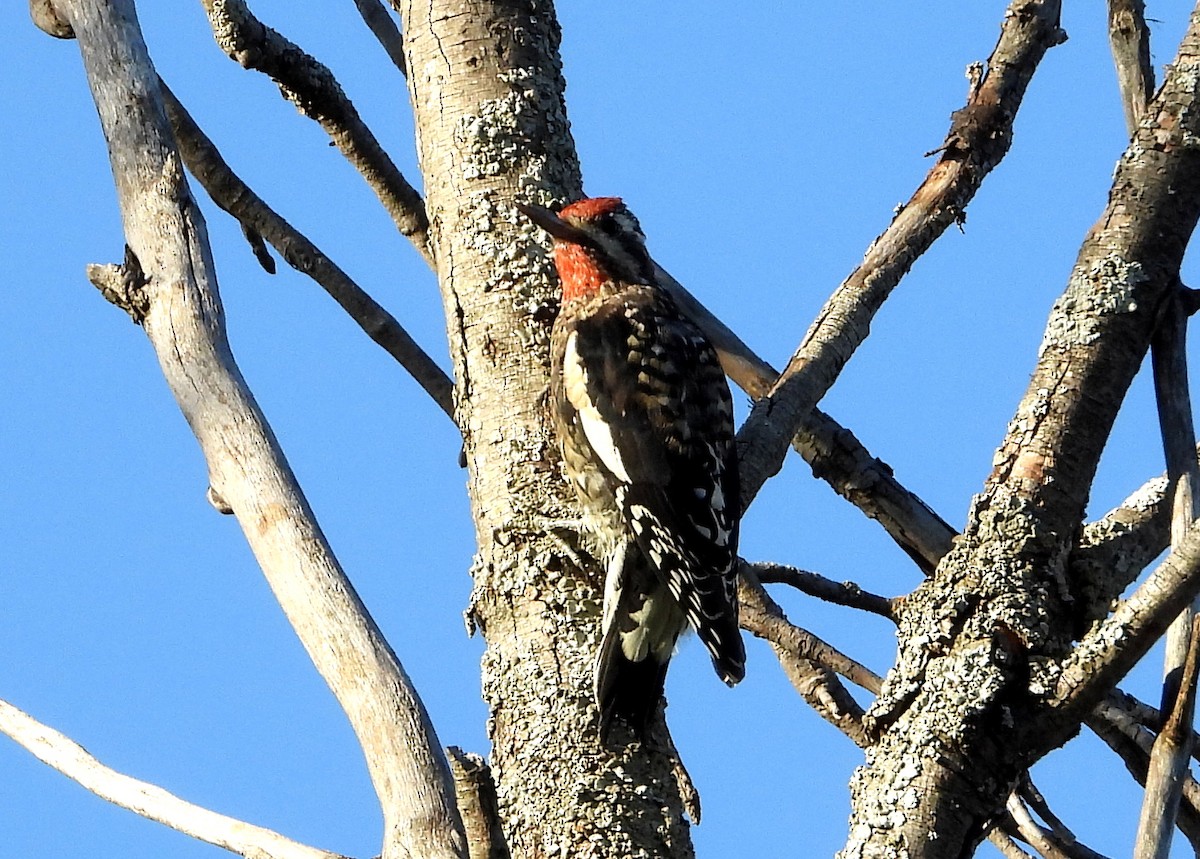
(551, 222)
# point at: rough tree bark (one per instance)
(486, 87)
(1004, 651)
(972, 700)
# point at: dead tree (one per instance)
(1018, 635)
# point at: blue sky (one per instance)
(762, 151)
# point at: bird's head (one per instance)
(596, 241)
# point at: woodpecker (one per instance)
(644, 418)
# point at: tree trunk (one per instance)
(486, 87)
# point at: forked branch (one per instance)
(311, 86)
(811, 665)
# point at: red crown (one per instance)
(589, 208)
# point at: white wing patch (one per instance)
(598, 433)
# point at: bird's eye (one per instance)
(609, 226)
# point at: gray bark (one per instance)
(989, 677)
(168, 285)
(973, 699)
(486, 87)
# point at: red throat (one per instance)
(578, 271)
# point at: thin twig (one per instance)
(148, 800)
(1064, 838)
(1035, 835)
(840, 593)
(228, 191)
(762, 616)
(311, 86)
(979, 137)
(809, 662)
(385, 30)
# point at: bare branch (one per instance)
(1168, 767)
(1003, 575)
(808, 661)
(311, 86)
(836, 456)
(150, 801)
(228, 191)
(1038, 838)
(1063, 838)
(840, 459)
(1138, 712)
(171, 275)
(477, 801)
(1172, 748)
(764, 618)
(840, 593)
(1129, 38)
(1132, 744)
(1116, 644)
(1113, 551)
(385, 30)
(1003, 842)
(979, 137)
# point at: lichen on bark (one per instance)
(486, 85)
(971, 701)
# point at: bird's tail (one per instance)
(641, 625)
(627, 692)
(723, 640)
